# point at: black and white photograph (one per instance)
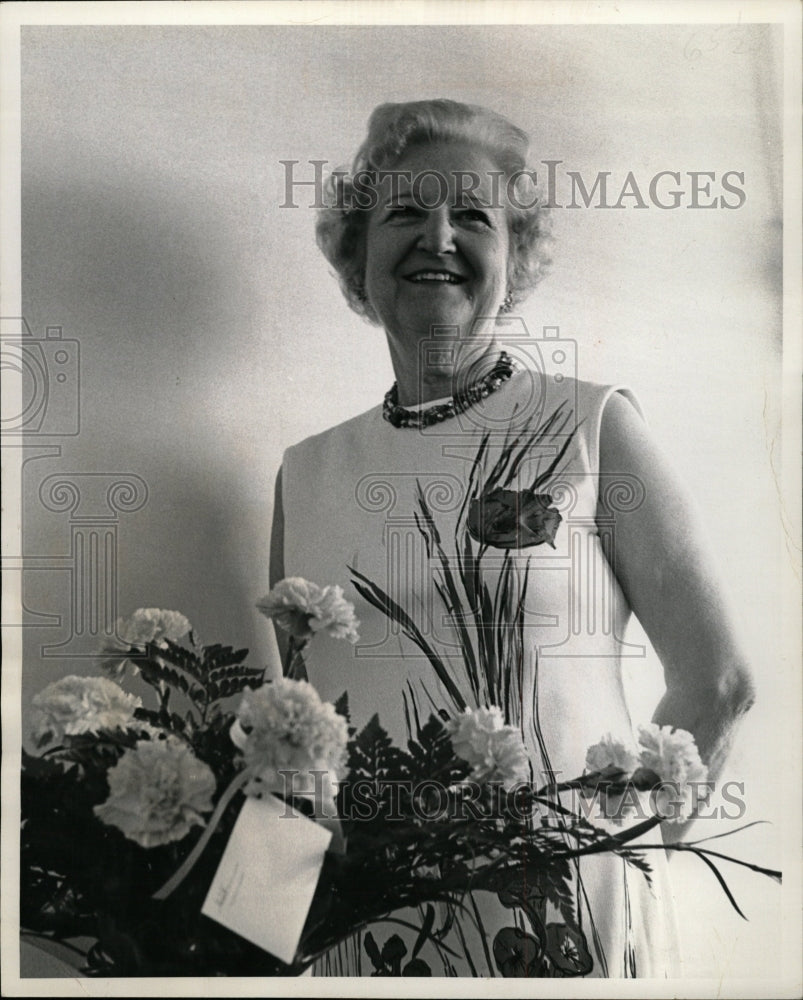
(401, 499)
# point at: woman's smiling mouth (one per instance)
(445, 277)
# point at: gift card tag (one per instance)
(267, 876)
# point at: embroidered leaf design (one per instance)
(568, 950)
(446, 584)
(420, 941)
(558, 889)
(517, 954)
(393, 951)
(380, 600)
(417, 968)
(373, 951)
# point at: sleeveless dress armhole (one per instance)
(597, 408)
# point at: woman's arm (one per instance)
(667, 573)
(276, 569)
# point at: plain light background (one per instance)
(212, 334)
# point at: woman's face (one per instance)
(437, 244)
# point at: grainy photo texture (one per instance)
(401, 584)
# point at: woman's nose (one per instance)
(437, 236)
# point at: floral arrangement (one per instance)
(503, 513)
(127, 809)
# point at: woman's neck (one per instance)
(423, 379)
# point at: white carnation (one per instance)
(284, 726)
(75, 705)
(611, 752)
(672, 755)
(157, 792)
(135, 632)
(303, 608)
(335, 615)
(495, 751)
(152, 625)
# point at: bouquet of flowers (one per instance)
(127, 810)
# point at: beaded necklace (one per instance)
(461, 401)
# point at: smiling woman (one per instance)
(432, 240)
(434, 258)
(486, 170)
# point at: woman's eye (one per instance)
(402, 211)
(474, 215)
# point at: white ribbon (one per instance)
(270, 781)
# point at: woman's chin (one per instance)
(451, 321)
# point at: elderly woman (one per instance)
(436, 237)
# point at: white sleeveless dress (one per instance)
(349, 498)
